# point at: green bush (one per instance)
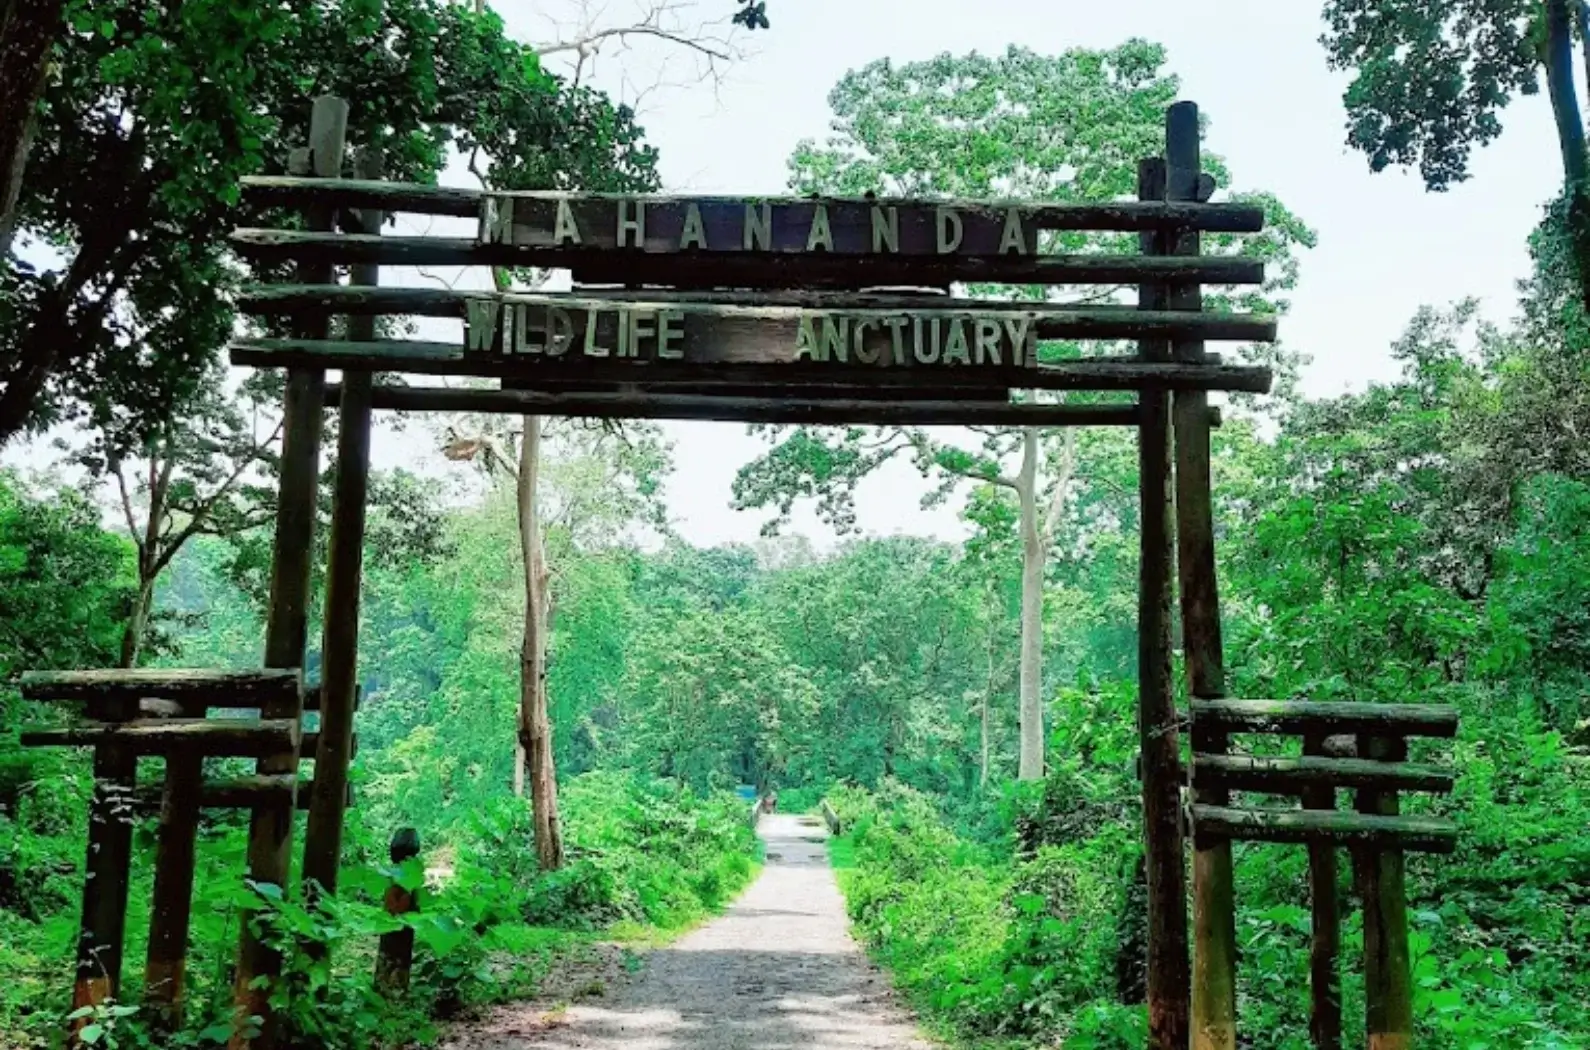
(1030, 924)
(644, 852)
(986, 943)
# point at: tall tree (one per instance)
(1069, 127)
(158, 110)
(602, 480)
(1431, 77)
(202, 473)
(65, 582)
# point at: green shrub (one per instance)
(984, 942)
(643, 852)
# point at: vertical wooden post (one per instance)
(104, 920)
(1168, 977)
(287, 620)
(1214, 960)
(395, 954)
(165, 964)
(340, 641)
(1325, 981)
(1388, 976)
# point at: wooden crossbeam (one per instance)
(295, 192)
(214, 688)
(919, 388)
(1048, 320)
(1424, 834)
(1329, 717)
(744, 269)
(431, 358)
(310, 744)
(209, 736)
(1293, 776)
(245, 792)
(748, 410)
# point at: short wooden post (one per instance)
(340, 643)
(165, 964)
(831, 818)
(1325, 982)
(104, 921)
(287, 619)
(1388, 975)
(1214, 957)
(395, 955)
(1168, 977)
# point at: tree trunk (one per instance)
(28, 29)
(1032, 558)
(518, 768)
(535, 728)
(988, 700)
(132, 635)
(149, 556)
(982, 763)
(1558, 59)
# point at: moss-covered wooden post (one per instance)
(1388, 977)
(165, 963)
(1325, 982)
(287, 619)
(104, 921)
(1214, 955)
(395, 955)
(340, 645)
(1168, 978)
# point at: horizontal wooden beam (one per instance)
(745, 269)
(311, 743)
(884, 390)
(747, 410)
(420, 357)
(448, 359)
(235, 737)
(466, 203)
(883, 385)
(287, 191)
(1292, 776)
(1047, 320)
(214, 688)
(1424, 834)
(1327, 717)
(272, 789)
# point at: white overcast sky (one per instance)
(1256, 68)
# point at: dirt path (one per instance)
(778, 971)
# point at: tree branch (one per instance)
(587, 44)
(992, 475)
(127, 508)
(1062, 484)
(201, 513)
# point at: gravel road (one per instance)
(777, 971)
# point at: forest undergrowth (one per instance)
(1021, 921)
(647, 858)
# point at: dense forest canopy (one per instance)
(968, 704)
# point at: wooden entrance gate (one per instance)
(797, 310)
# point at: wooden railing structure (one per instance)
(779, 310)
(1346, 746)
(134, 714)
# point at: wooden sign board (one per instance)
(835, 226)
(554, 328)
